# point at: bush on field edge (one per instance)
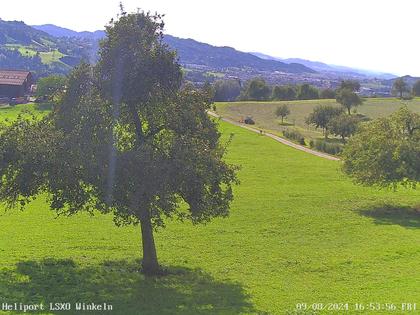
(294, 135)
(327, 147)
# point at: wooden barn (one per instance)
(15, 84)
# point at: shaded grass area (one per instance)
(119, 284)
(297, 233)
(264, 112)
(388, 214)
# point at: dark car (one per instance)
(249, 121)
(13, 101)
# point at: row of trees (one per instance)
(258, 90)
(334, 120)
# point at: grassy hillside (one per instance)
(263, 112)
(299, 232)
(24, 47)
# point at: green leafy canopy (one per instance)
(125, 138)
(386, 151)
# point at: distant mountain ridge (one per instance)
(323, 67)
(17, 32)
(192, 52)
(58, 31)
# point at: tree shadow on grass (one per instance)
(388, 214)
(118, 283)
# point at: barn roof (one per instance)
(12, 77)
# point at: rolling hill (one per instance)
(196, 54)
(24, 47)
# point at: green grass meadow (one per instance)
(264, 112)
(9, 113)
(299, 232)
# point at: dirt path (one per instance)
(277, 138)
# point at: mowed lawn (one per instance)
(299, 232)
(8, 114)
(264, 112)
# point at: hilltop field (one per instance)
(264, 112)
(299, 232)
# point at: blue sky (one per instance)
(368, 34)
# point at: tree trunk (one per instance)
(348, 108)
(150, 263)
(137, 122)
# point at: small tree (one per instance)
(322, 115)
(386, 151)
(399, 87)
(343, 125)
(348, 99)
(352, 85)
(282, 111)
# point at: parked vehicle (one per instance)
(249, 121)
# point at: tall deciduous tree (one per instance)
(327, 94)
(284, 93)
(226, 90)
(125, 139)
(256, 90)
(386, 151)
(400, 87)
(307, 92)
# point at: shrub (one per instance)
(43, 106)
(294, 135)
(327, 147)
(311, 143)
